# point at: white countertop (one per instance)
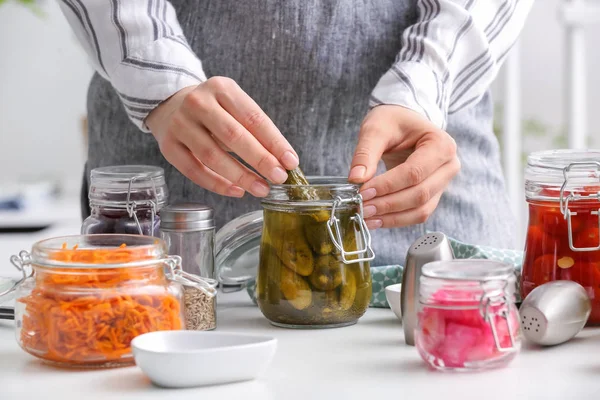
(366, 361)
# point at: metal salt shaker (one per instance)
(554, 312)
(189, 231)
(430, 247)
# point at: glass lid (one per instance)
(468, 270)
(549, 167)
(237, 246)
(322, 191)
(122, 176)
(128, 183)
(97, 251)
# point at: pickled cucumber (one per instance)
(295, 289)
(331, 301)
(302, 191)
(296, 254)
(317, 236)
(284, 233)
(327, 273)
(348, 290)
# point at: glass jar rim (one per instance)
(339, 184)
(124, 173)
(477, 270)
(548, 166)
(127, 177)
(323, 181)
(114, 185)
(150, 250)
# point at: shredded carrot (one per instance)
(90, 316)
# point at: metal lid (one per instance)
(187, 217)
(237, 247)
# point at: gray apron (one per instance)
(311, 65)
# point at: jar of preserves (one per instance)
(314, 255)
(562, 188)
(126, 199)
(467, 318)
(82, 299)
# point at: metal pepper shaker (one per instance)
(555, 312)
(429, 247)
(189, 231)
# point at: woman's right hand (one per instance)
(198, 126)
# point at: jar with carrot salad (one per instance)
(82, 299)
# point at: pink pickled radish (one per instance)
(459, 336)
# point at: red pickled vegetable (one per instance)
(454, 338)
(548, 254)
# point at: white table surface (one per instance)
(365, 361)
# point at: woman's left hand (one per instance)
(421, 161)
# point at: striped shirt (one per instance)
(448, 58)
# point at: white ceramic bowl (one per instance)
(195, 358)
(392, 294)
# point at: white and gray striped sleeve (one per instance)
(139, 46)
(451, 55)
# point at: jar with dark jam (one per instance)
(126, 199)
(563, 191)
(314, 269)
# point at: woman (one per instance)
(327, 84)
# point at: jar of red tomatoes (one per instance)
(562, 188)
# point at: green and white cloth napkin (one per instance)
(390, 274)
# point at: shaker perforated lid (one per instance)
(187, 217)
(237, 246)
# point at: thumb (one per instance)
(372, 143)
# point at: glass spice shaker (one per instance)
(126, 199)
(189, 231)
(199, 301)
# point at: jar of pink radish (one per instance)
(467, 318)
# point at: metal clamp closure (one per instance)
(489, 299)
(333, 226)
(571, 197)
(177, 274)
(132, 205)
(20, 262)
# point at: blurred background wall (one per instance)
(44, 76)
(43, 83)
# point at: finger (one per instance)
(201, 144)
(414, 196)
(245, 110)
(185, 162)
(372, 143)
(405, 218)
(229, 131)
(433, 150)
(222, 145)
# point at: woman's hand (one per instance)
(421, 161)
(198, 125)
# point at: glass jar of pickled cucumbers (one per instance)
(315, 250)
